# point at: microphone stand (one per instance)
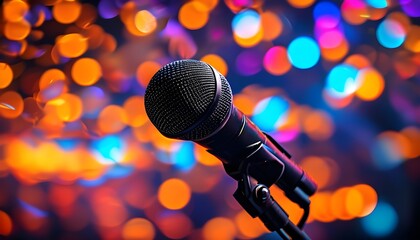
(255, 198)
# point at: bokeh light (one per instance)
(146, 70)
(382, 221)
(15, 10)
(112, 119)
(66, 11)
(219, 228)
(145, 21)
(276, 61)
(17, 30)
(303, 52)
(246, 24)
(217, 62)
(174, 194)
(138, 228)
(390, 33)
(193, 15)
(86, 71)
(270, 113)
(272, 25)
(371, 83)
(6, 75)
(72, 45)
(6, 225)
(342, 81)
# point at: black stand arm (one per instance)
(256, 200)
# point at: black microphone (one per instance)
(190, 100)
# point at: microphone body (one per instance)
(190, 100)
(240, 141)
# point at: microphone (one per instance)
(190, 100)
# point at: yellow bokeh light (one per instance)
(67, 11)
(339, 201)
(50, 76)
(6, 75)
(87, 16)
(318, 125)
(372, 84)
(249, 42)
(210, 4)
(217, 62)
(271, 25)
(358, 61)
(112, 119)
(135, 111)
(412, 134)
(244, 103)
(128, 11)
(205, 157)
(6, 224)
(354, 202)
(17, 30)
(219, 228)
(355, 14)
(72, 45)
(412, 41)
(145, 21)
(145, 72)
(86, 71)
(321, 207)
(369, 198)
(68, 107)
(138, 228)
(174, 194)
(301, 3)
(193, 15)
(14, 10)
(248, 226)
(322, 170)
(377, 13)
(336, 53)
(15, 103)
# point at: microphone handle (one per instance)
(239, 140)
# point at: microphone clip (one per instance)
(256, 199)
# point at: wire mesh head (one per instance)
(179, 97)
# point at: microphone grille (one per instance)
(180, 94)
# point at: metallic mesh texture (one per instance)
(180, 93)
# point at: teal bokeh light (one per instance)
(342, 81)
(183, 156)
(390, 34)
(270, 113)
(382, 221)
(246, 24)
(377, 3)
(109, 150)
(303, 52)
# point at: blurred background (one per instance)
(335, 82)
